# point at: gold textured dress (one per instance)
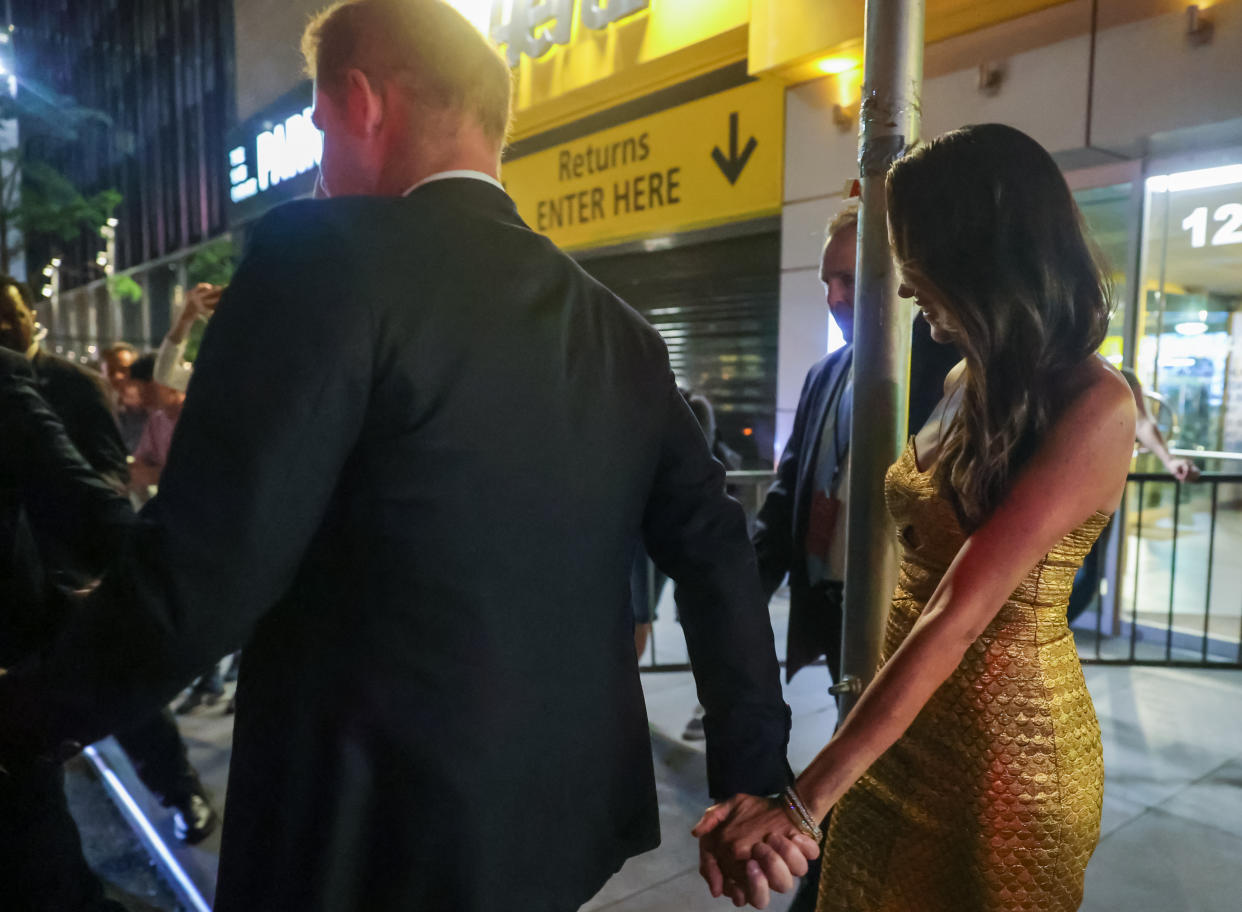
(991, 800)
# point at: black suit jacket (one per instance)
(419, 520)
(781, 525)
(49, 497)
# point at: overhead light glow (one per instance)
(1201, 179)
(1191, 328)
(477, 11)
(834, 65)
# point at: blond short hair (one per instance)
(425, 46)
(844, 220)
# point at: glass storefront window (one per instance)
(1106, 210)
(1176, 596)
(1190, 305)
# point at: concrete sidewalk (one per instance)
(1172, 828)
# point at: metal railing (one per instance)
(1166, 600)
(1172, 586)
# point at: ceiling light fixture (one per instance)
(1199, 28)
(1200, 179)
(833, 66)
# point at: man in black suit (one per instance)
(47, 493)
(800, 530)
(417, 452)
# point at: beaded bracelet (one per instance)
(806, 822)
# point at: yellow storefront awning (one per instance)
(573, 58)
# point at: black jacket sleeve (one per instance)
(81, 402)
(65, 500)
(773, 535)
(696, 534)
(256, 457)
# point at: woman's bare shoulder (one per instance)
(1097, 423)
(1100, 390)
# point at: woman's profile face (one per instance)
(943, 329)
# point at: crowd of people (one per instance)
(417, 474)
(107, 421)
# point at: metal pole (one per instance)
(888, 127)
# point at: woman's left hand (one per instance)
(749, 844)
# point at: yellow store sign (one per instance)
(711, 161)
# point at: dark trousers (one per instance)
(816, 614)
(155, 748)
(41, 863)
(646, 586)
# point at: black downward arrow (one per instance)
(732, 166)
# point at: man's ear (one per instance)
(364, 106)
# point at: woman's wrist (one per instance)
(800, 814)
(829, 776)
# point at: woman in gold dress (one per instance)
(969, 775)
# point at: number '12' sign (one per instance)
(1229, 233)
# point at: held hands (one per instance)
(749, 846)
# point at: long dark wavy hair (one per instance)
(983, 217)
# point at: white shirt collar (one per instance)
(463, 172)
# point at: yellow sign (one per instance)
(711, 161)
(575, 58)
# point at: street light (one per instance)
(51, 291)
(107, 260)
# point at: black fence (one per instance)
(1172, 590)
(1169, 591)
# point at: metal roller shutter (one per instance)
(717, 306)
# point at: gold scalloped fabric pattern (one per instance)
(991, 800)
